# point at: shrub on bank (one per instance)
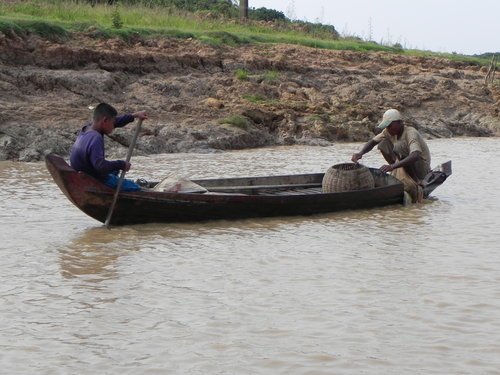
(237, 121)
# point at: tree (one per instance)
(244, 9)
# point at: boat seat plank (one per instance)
(295, 192)
(263, 187)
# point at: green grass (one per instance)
(259, 99)
(255, 98)
(59, 18)
(47, 30)
(237, 121)
(450, 56)
(271, 77)
(241, 74)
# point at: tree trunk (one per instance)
(244, 9)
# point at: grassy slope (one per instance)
(55, 19)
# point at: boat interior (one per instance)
(270, 185)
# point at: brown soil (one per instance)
(292, 95)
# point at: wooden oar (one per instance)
(122, 175)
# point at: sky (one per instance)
(461, 26)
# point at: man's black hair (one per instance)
(104, 110)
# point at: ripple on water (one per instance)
(396, 290)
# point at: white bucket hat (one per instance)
(389, 116)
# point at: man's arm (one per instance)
(99, 163)
(123, 120)
(410, 159)
(367, 147)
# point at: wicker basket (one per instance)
(347, 177)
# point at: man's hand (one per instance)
(357, 156)
(127, 166)
(140, 115)
(386, 168)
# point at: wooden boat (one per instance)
(228, 198)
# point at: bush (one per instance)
(223, 6)
(265, 14)
(42, 28)
(398, 47)
(318, 29)
(116, 19)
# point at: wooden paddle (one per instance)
(122, 175)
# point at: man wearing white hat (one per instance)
(402, 147)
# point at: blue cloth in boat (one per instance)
(127, 185)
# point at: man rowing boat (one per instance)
(87, 154)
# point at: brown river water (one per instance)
(395, 290)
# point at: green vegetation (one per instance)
(255, 98)
(241, 74)
(238, 121)
(473, 60)
(259, 99)
(44, 29)
(264, 14)
(271, 77)
(116, 19)
(156, 18)
(210, 21)
(296, 105)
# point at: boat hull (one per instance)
(228, 202)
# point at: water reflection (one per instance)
(94, 254)
(393, 215)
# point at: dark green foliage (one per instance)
(174, 33)
(223, 37)
(488, 55)
(44, 29)
(95, 2)
(222, 6)
(398, 47)
(265, 14)
(116, 19)
(129, 34)
(225, 8)
(237, 121)
(317, 29)
(8, 27)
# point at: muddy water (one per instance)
(398, 290)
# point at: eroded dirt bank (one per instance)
(268, 94)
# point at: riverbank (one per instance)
(205, 97)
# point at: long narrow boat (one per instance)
(228, 198)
